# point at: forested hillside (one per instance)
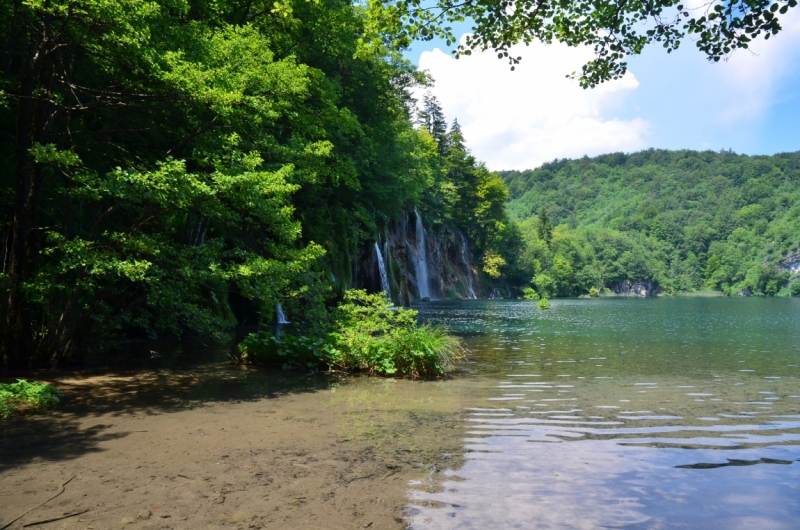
(174, 167)
(682, 220)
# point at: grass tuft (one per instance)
(24, 396)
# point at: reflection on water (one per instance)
(655, 413)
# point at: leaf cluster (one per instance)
(368, 335)
(615, 29)
(24, 396)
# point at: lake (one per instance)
(598, 413)
(622, 413)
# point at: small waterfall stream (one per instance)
(382, 269)
(470, 285)
(279, 315)
(422, 259)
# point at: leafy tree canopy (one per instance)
(682, 220)
(179, 167)
(615, 29)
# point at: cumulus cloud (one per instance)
(751, 76)
(520, 119)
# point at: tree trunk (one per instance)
(17, 345)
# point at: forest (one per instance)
(176, 168)
(679, 220)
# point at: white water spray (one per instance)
(466, 264)
(382, 269)
(281, 318)
(422, 259)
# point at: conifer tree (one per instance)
(545, 227)
(432, 119)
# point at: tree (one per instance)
(615, 29)
(176, 167)
(432, 119)
(682, 219)
(545, 228)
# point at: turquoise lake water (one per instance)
(622, 413)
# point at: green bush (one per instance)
(370, 335)
(288, 351)
(543, 304)
(529, 293)
(594, 292)
(375, 337)
(544, 284)
(23, 396)
(794, 288)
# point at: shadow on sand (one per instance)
(63, 434)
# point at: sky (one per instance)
(521, 119)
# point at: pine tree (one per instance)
(454, 140)
(432, 119)
(545, 228)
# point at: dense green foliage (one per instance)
(179, 166)
(23, 396)
(367, 334)
(544, 303)
(466, 194)
(373, 336)
(614, 28)
(683, 220)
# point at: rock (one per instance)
(451, 270)
(143, 515)
(790, 262)
(635, 289)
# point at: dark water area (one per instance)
(622, 413)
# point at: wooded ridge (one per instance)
(683, 220)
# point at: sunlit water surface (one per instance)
(654, 413)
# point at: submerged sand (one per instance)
(227, 447)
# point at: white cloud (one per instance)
(520, 119)
(753, 74)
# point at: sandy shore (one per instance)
(227, 447)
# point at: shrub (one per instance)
(288, 351)
(594, 292)
(544, 284)
(23, 396)
(529, 293)
(370, 335)
(794, 288)
(543, 304)
(375, 337)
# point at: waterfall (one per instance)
(466, 264)
(281, 318)
(382, 268)
(422, 259)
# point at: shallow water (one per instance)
(609, 413)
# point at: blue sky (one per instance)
(517, 120)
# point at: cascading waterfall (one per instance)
(466, 264)
(382, 269)
(422, 259)
(281, 318)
